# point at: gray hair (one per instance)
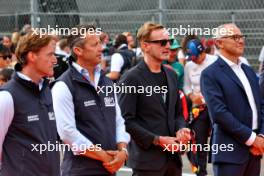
(221, 30)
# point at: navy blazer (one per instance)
(230, 111)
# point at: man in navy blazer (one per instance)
(232, 93)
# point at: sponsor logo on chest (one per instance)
(33, 118)
(109, 101)
(89, 103)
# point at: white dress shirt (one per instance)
(7, 111)
(65, 115)
(261, 55)
(244, 80)
(117, 61)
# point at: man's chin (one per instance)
(165, 57)
(50, 74)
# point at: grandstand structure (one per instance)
(116, 16)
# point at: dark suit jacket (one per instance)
(147, 116)
(230, 111)
(261, 80)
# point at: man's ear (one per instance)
(144, 46)
(77, 51)
(31, 57)
(218, 44)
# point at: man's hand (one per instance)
(255, 151)
(119, 158)
(98, 154)
(107, 157)
(169, 143)
(196, 99)
(257, 147)
(183, 135)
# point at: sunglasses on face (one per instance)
(235, 37)
(161, 42)
(5, 57)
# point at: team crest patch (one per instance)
(109, 101)
(51, 116)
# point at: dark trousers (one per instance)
(172, 168)
(201, 127)
(249, 168)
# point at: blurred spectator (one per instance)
(7, 41)
(121, 61)
(130, 40)
(261, 60)
(182, 53)
(209, 47)
(132, 46)
(5, 75)
(62, 47)
(15, 38)
(200, 122)
(5, 56)
(106, 57)
(26, 29)
(173, 62)
(62, 53)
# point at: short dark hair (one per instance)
(4, 50)
(63, 43)
(120, 39)
(6, 73)
(78, 39)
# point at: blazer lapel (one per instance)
(171, 96)
(229, 72)
(251, 79)
(147, 76)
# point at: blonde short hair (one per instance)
(30, 42)
(145, 31)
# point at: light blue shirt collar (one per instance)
(84, 72)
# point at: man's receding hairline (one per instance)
(227, 27)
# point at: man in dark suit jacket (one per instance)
(153, 116)
(232, 94)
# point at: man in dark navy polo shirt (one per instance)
(26, 112)
(88, 118)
